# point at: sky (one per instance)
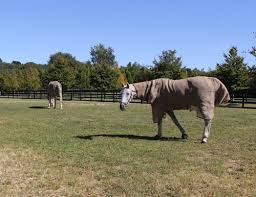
(201, 31)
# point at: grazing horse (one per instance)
(54, 89)
(200, 93)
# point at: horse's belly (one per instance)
(177, 103)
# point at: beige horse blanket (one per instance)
(199, 93)
(54, 89)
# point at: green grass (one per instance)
(94, 149)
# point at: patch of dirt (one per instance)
(233, 165)
(3, 120)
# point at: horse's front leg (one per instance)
(176, 122)
(55, 102)
(206, 133)
(159, 129)
(61, 107)
(49, 103)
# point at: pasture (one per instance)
(94, 149)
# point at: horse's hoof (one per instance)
(203, 141)
(157, 136)
(184, 136)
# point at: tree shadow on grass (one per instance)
(131, 137)
(38, 107)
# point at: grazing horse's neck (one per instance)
(133, 89)
(142, 89)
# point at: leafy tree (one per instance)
(16, 62)
(168, 65)
(20, 71)
(29, 76)
(252, 70)
(144, 74)
(233, 72)
(11, 80)
(253, 51)
(83, 76)
(104, 77)
(131, 70)
(102, 55)
(128, 75)
(20, 77)
(195, 72)
(4, 77)
(62, 74)
(252, 77)
(61, 67)
(63, 59)
(121, 78)
(135, 72)
(32, 76)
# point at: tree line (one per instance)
(102, 71)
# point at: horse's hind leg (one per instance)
(49, 103)
(61, 101)
(159, 131)
(55, 102)
(206, 133)
(176, 122)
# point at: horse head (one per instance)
(127, 94)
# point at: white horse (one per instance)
(54, 89)
(196, 93)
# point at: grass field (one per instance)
(94, 149)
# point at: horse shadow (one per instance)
(38, 107)
(130, 137)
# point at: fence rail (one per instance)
(79, 95)
(243, 98)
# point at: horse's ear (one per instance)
(127, 85)
(154, 91)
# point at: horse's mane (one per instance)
(143, 89)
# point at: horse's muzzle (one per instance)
(122, 106)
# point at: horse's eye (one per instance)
(127, 94)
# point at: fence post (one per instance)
(101, 96)
(243, 100)
(71, 95)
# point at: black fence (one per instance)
(242, 98)
(76, 95)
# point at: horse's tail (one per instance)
(221, 93)
(60, 94)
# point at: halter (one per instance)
(130, 99)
